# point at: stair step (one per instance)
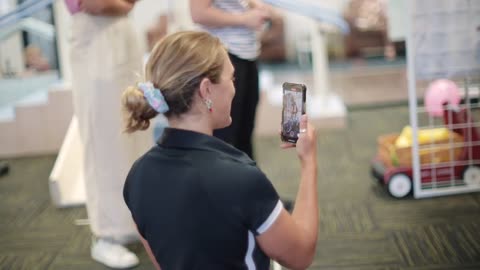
(7, 114)
(36, 98)
(37, 123)
(14, 90)
(18, 92)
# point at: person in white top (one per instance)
(105, 59)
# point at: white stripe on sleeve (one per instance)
(271, 219)
(249, 256)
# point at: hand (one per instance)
(255, 18)
(262, 6)
(91, 7)
(307, 141)
(107, 7)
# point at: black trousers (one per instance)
(4, 168)
(244, 106)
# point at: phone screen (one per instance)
(293, 108)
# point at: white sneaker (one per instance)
(113, 255)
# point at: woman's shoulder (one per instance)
(232, 172)
(212, 165)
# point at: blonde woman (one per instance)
(105, 59)
(198, 202)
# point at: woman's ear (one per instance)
(205, 86)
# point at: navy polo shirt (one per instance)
(200, 202)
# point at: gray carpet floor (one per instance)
(361, 226)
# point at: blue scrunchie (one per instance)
(154, 97)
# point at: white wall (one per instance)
(145, 14)
(182, 17)
(397, 19)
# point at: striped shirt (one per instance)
(240, 41)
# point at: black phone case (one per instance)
(296, 88)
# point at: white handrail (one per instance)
(312, 10)
(31, 25)
(23, 11)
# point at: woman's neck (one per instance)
(193, 122)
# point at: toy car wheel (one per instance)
(471, 175)
(400, 185)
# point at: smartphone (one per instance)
(294, 106)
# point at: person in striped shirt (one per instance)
(236, 23)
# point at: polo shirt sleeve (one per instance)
(260, 205)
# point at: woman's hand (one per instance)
(307, 141)
(255, 18)
(260, 5)
(91, 7)
(107, 7)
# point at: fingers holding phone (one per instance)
(307, 140)
(306, 144)
(296, 130)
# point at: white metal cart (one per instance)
(443, 42)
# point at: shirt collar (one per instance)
(187, 139)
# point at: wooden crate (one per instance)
(437, 152)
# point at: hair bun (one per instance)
(138, 111)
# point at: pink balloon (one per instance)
(439, 93)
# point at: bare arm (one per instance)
(291, 240)
(150, 253)
(107, 7)
(204, 13)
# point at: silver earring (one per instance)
(209, 103)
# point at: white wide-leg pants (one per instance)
(105, 60)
